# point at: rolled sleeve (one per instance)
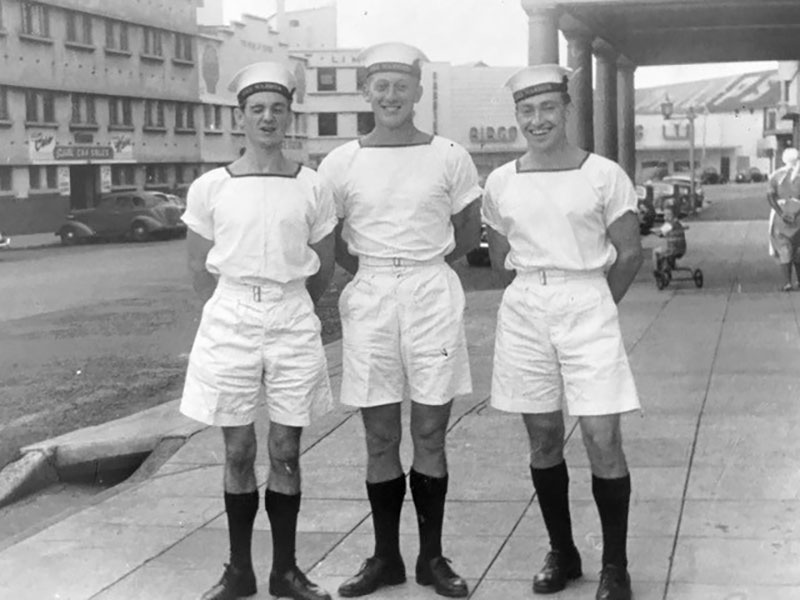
(324, 220)
(197, 215)
(463, 180)
(620, 196)
(327, 171)
(490, 213)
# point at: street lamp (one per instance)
(667, 112)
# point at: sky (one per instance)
(463, 31)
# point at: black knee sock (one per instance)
(429, 494)
(282, 511)
(241, 510)
(552, 491)
(386, 501)
(612, 497)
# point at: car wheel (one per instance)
(139, 233)
(68, 237)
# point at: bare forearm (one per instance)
(466, 239)
(317, 284)
(347, 261)
(772, 200)
(622, 273)
(204, 284)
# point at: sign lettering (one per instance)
(490, 135)
(83, 152)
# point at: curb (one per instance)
(31, 473)
(112, 452)
(129, 449)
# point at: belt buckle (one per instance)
(543, 277)
(257, 293)
(397, 262)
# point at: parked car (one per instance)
(138, 216)
(5, 241)
(677, 190)
(174, 198)
(709, 176)
(645, 208)
(479, 256)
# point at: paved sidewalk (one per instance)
(713, 458)
(34, 240)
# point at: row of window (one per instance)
(46, 177)
(80, 30)
(327, 80)
(328, 123)
(40, 108)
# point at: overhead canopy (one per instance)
(658, 32)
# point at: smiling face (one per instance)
(543, 120)
(265, 118)
(392, 97)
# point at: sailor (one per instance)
(562, 225)
(408, 204)
(261, 252)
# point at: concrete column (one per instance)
(580, 127)
(542, 33)
(626, 115)
(605, 123)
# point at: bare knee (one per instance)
(240, 453)
(284, 452)
(546, 438)
(603, 442)
(383, 440)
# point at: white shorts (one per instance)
(403, 330)
(559, 340)
(255, 340)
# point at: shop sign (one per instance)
(43, 147)
(678, 130)
(491, 135)
(83, 152)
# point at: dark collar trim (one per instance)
(427, 142)
(285, 175)
(554, 170)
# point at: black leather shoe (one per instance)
(294, 584)
(445, 581)
(615, 584)
(376, 572)
(235, 583)
(559, 567)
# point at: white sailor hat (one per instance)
(263, 77)
(538, 79)
(392, 56)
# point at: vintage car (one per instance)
(479, 256)
(5, 241)
(136, 215)
(683, 191)
(645, 208)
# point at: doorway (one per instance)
(83, 181)
(725, 168)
